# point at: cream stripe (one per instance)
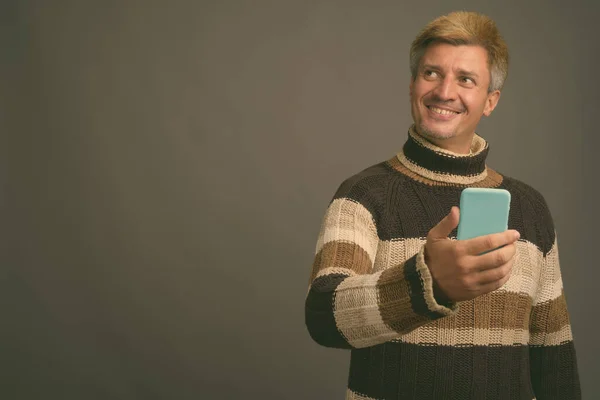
(435, 176)
(350, 395)
(357, 313)
(335, 271)
(552, 339)
(551, 284)
(396, 252)
(550, 292)
(478, 144)
(524, 276)
(348, 221)
(425, 335)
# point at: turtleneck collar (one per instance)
(432, 162)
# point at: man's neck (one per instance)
(426, 160)
(458, 145)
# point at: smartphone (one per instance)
(483, 211)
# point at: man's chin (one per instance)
(435, 133)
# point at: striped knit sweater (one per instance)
(370, 290)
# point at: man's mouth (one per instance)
(442, 111)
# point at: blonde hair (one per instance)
(465, 28)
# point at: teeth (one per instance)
(442, 112)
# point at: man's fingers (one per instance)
(492, 275)
(446, 225)
(493, 285)
(496, 258)
(486, 243)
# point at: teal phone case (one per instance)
(482, 212)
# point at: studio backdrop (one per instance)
(166, 166)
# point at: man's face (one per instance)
(450, 92)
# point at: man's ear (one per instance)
(491, 102)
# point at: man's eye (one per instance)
(430, 74)
(467, 80)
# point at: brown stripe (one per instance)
(493, 179)
(341, 255)
(550, 316)
(509, 310)
(394, 300)
(495, 310)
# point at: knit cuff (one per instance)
(435, 307)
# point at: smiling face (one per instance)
(450, 94)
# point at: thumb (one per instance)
(446, 225)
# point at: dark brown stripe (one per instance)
(550, 316)
(360, 187)
(405, 371)
(417, 289)
(493, 179)
(341, 255)
(529, 214)
(318, 312)
(554, 373)
(442, 163)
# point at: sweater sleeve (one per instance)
(553, 361)
(349, 304)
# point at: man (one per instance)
(425, 315)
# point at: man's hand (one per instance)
(459, 271)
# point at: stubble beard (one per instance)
(430, 134)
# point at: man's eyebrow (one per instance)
(464, 72)
(430, 66)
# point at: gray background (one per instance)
(166, 165)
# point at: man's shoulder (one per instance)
(525, 192)
(369, 183)
(531, 215)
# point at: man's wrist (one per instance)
(439, 295)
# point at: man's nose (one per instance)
(446, 90)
